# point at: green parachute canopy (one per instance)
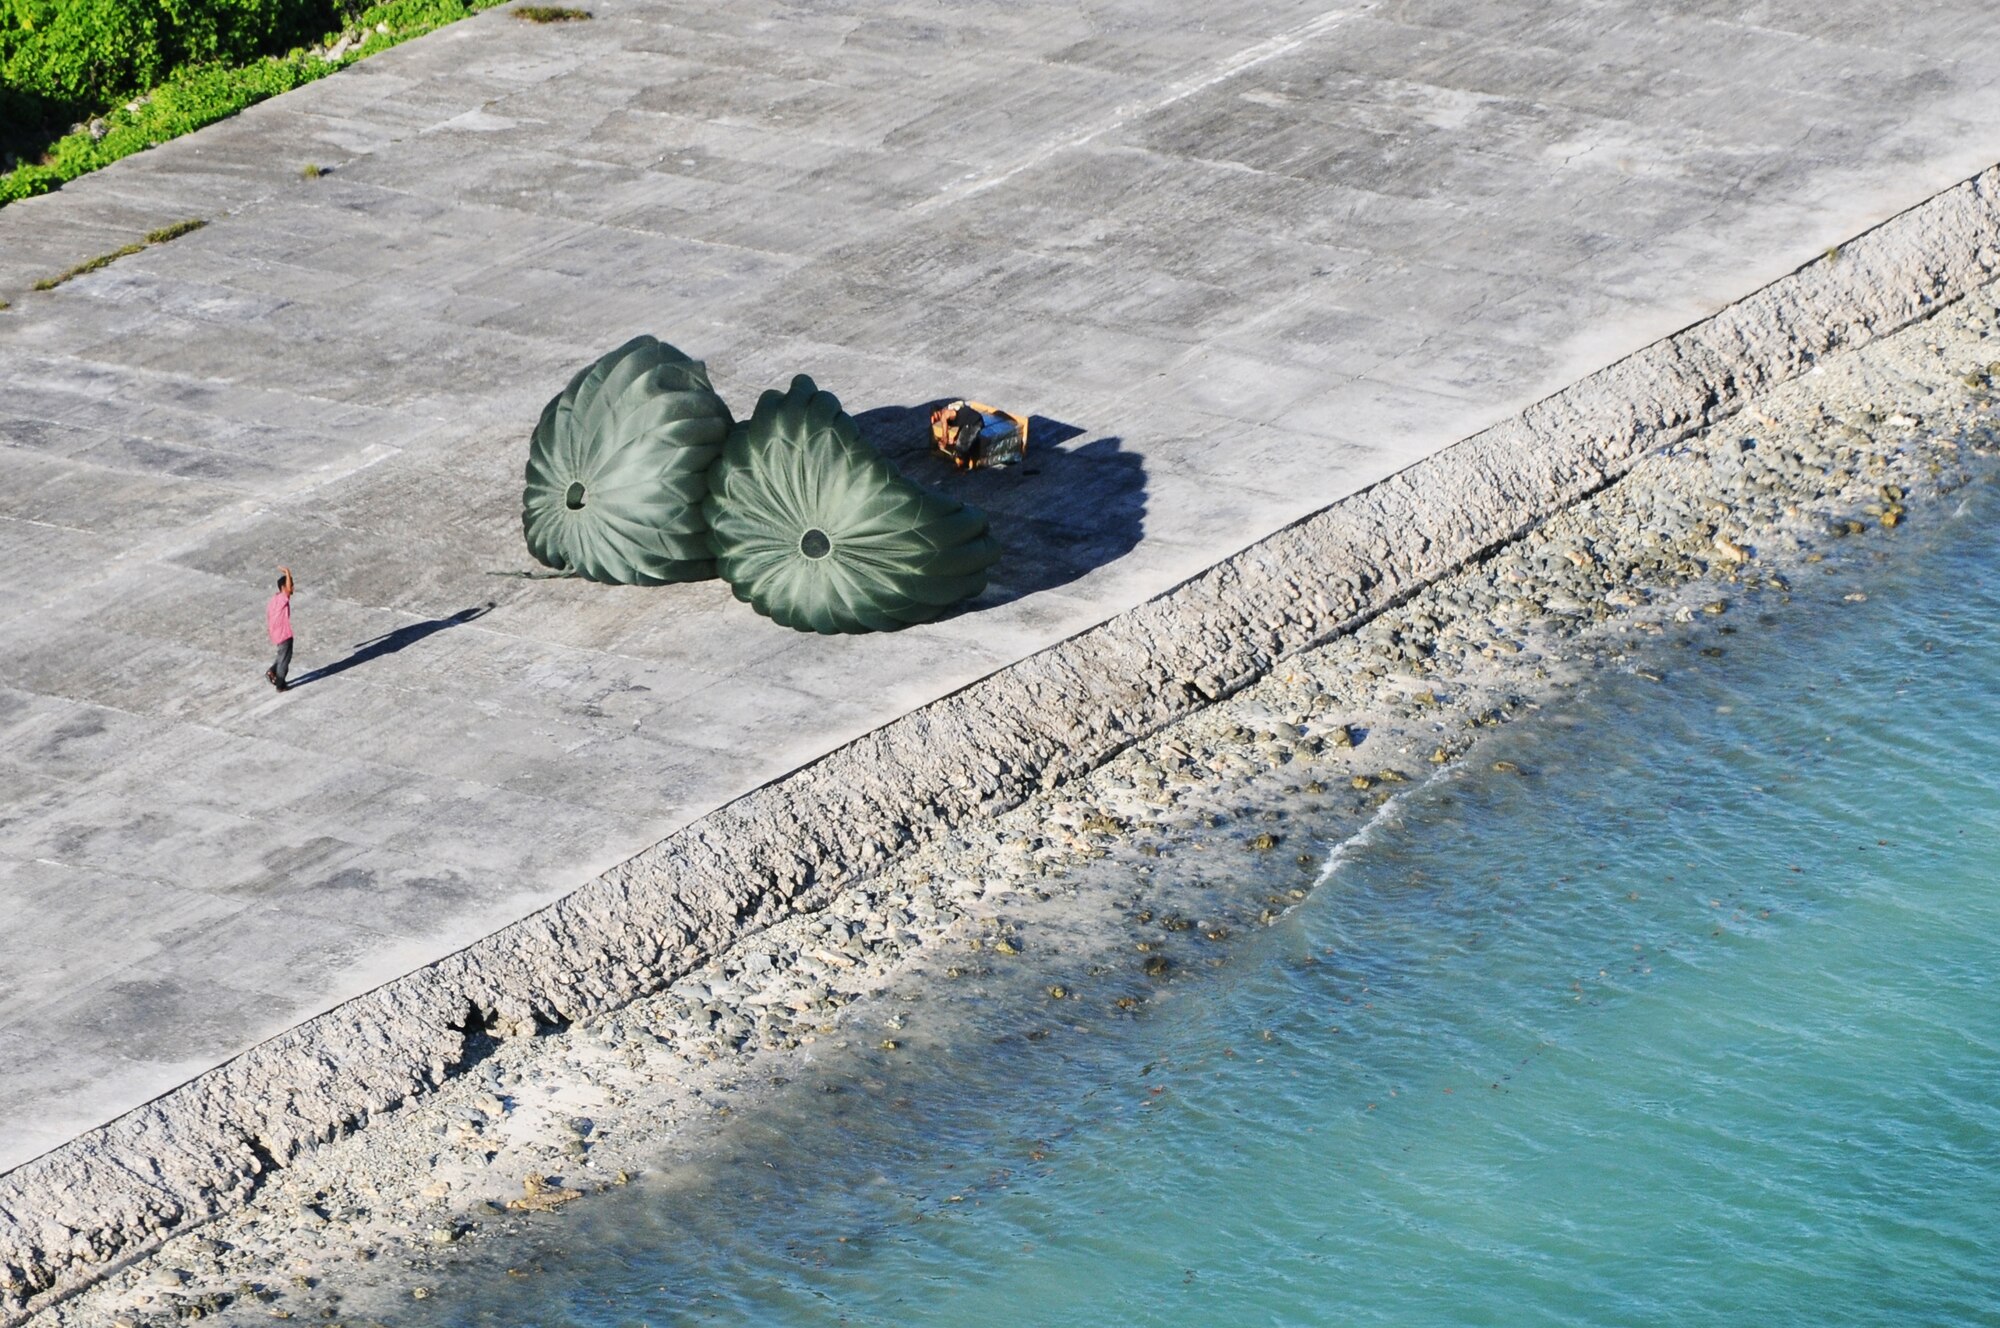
(815, 529)
(618, 468)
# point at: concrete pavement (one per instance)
(1241, 262)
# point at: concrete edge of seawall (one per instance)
(81, 1210)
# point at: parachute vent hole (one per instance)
(573, 499)
(815, 544)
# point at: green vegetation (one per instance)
(310, 171)
(130, 74)
(88, 265)
(550, 14)
(160, 236)
(175, 231)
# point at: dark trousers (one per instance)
(283, 663)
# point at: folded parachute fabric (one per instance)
(618, 469)
(814, 529)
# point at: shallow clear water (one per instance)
(1690, 1021)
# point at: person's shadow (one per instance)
(390, 642)
(1059, 514)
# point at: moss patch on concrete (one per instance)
(161, 236)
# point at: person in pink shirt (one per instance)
(278, 620)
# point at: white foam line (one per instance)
(1360, 839)
(1385, 818)
(1248, 58)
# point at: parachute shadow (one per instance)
(390, 642)
(1061, 514)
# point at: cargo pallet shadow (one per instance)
(1060, 515)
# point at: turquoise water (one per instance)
(1690, 1021)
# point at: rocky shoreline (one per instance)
(1051, 901)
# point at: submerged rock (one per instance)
(540, 1195)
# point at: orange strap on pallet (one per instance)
(974, 434)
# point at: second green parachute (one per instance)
(814, 529)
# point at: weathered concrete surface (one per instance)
(1260, 259)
